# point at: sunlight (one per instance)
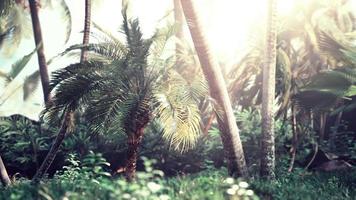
(285, 6)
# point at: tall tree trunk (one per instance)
(226, 119)
(86, 34)
(179, 19)
(268, 94)
(293, 150)
(37, 33)
(65, 128)
(3, 173)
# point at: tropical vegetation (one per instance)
(131, 115)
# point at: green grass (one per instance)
(204, 185)
(298, 185)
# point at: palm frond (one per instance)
(180, 122)
(30, 84)
(19, 65)
(104, 112)
(284, 79)
(20, 26)
(72, 71)
(177, 110)
(67, 18)
(5, 7)
(326, 88)
(337, 48)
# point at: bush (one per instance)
(88, 180)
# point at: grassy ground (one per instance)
(210, 184)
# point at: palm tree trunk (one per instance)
(37, 33)
(179, 19)
(133, 143)
(65, 127)
(218, 91)
(3, 173)
(268, 94)
(87, 22)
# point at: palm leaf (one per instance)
(19, 65)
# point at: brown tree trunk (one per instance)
(218, 91)
(268, 94)
(65, 128)
(3, 174)
(208, 124)
(133, 143)
(86, 35)
(37, 33)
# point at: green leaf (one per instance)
(19, 65)
(30, 84)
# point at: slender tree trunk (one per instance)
(323, 117)
(293, 150)
(3, 173)
(268, 94)
(334, 132)
(65, 128)
(86, 35)
(218, 91)
(37, 33)
(208, 124)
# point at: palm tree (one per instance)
(37, 33)
(120, 87)
(226, 119)
(268, 94)
(3, 174)
(87, 22)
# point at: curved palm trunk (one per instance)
(87, 22)
(3, 174)
(37, 33)
(226, 119)
(268, 94)
(65, 127)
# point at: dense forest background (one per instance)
(178, 99)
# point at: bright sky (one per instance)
(230, 26)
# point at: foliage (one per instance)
(299, 185)
(79, 182)
(16, 23)
(249, 121)
(23, 142)
(125, 91)
(210, 184)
